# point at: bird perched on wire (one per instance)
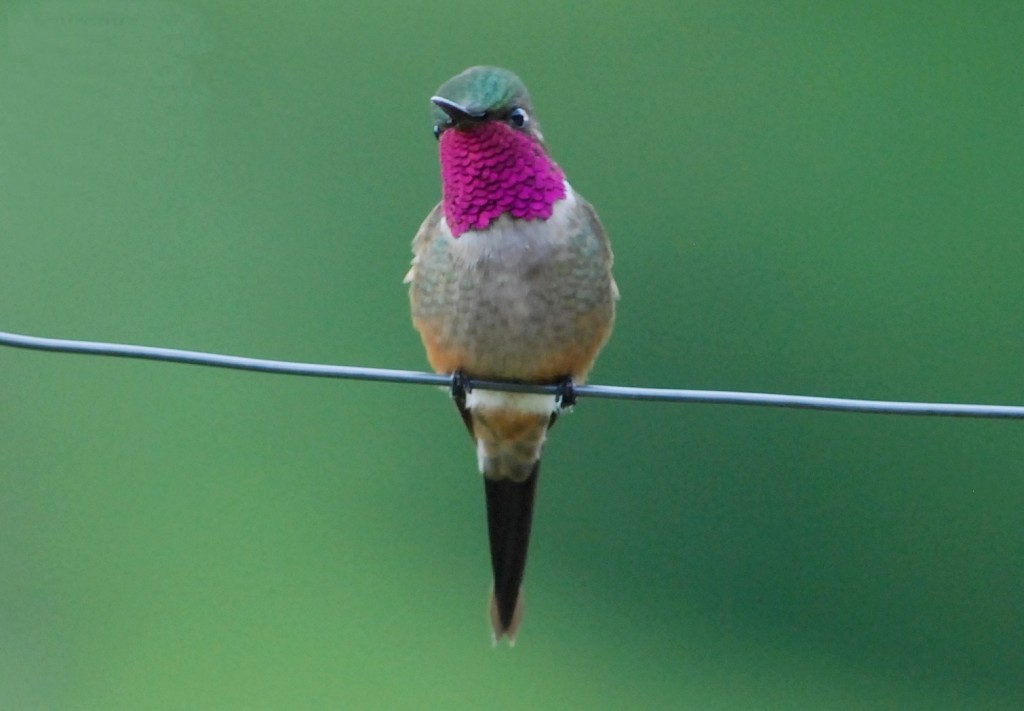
(510, 280)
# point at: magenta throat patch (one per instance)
(492, 169)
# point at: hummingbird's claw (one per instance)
(460, 387)
(566, 394)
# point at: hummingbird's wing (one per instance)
(602, 237)
(426, 234)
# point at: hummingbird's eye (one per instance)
(518, 117)
(437, 130)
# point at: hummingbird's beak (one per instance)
(457, 112)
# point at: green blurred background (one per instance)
(820, 198)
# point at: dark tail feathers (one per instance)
(509, 514)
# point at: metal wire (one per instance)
(715, 397)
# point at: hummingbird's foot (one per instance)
(565, 395)
(460, 387)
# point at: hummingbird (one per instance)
(510, 280)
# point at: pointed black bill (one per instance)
(509, 515)
(457, 112)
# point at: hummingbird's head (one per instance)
(482, 95)
(493, 160)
